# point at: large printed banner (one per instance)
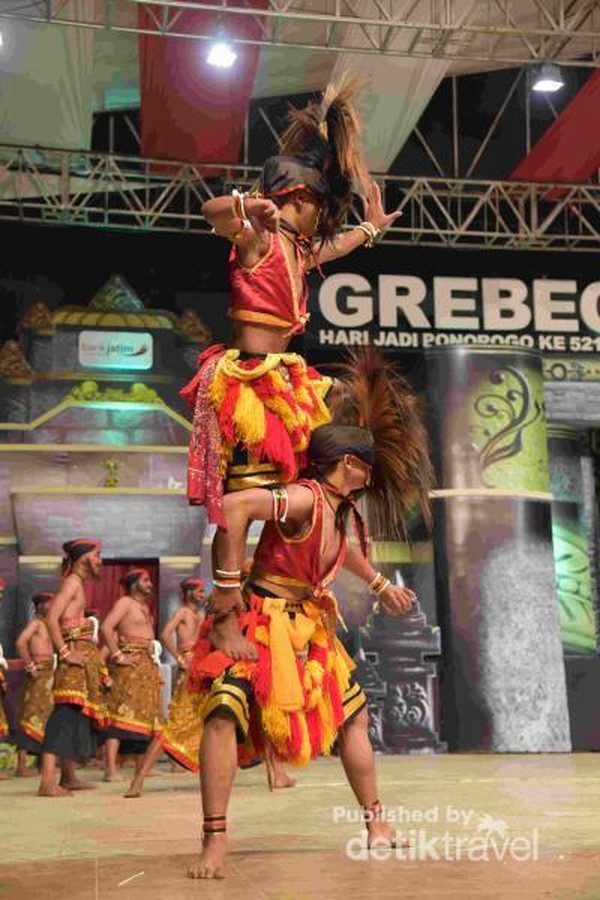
(405, 299)
(409, 312)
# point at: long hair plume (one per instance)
(372, 395)
(328, 133)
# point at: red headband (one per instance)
(132, 576)
(75, 549)
(191, 583)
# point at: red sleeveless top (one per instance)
(297, 561)
(267, 294)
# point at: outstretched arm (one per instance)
(348, 241)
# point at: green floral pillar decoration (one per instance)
(507, 426)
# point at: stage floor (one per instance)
(523, 826)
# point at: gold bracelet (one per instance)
(376, 583)
(371, 232)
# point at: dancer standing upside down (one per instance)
(287, 682)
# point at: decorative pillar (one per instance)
(571, 542)
(503, 679)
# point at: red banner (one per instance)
(191, 110)
(570, 149)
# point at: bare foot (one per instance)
(111, 776)
(277, 777)
(227, 637)
(381, 834)
(212, 859)
(283, 780)
(4, 777)
(134, 789)
(53, 790)
(76, 784)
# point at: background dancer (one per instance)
(73, 728)
(179, 736)
(134, 703)
(34, 646)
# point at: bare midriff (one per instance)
(259, 339)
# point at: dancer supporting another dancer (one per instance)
(78, 717)
(179, 737)
(295, 691)
(34, 646)
(134, 703)
(256, 404)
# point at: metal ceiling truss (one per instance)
(565, 30)
(64, 187)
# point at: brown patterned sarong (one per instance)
(81, 685)
(37, 703)
(180, 736)
(134, 702)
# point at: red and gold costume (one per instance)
(134, 701)
(264, 405)
(180, 735)
(37, 705)
(301, 690)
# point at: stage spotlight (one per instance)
(547, 79)
(221, 55)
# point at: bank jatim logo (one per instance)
(115, 350)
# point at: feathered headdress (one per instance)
(372, 395)
(320, 151)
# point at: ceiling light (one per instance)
(547, 79)
(221, 55)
